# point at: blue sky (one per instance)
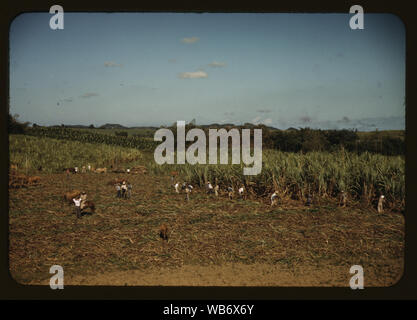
(152, 69)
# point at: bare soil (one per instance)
(212, 241)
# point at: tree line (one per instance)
(306, 139)
(290, 140)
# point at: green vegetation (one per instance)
(15, 126)
(123, 234)
(29, 153)
(316, 162)
(321, 174)
(131, 132)
(90, 136)
(390, 143)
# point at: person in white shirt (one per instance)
(274, 198)
(209, 187)
(177, 187)
(241, 192)
(77, 202)
(381, 201)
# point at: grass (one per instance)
(322, 174)
(53, 155)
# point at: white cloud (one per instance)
(193, 75)
(216, 64)
(190, 40)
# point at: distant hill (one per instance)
(76, 126)
(152, 128)
(112, 126)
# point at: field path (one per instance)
(230, 274)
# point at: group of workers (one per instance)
(124, 190)
(274, 197)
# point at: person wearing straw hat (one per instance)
(188, 190)
(241, 192)
(381, 203)
(209, 188)
(274, 199)
(124, 189)
(77, 202)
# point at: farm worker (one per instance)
(209, 187)
(381, 204)
(128, 170)
(216, 190)
(119, 194)
(230, 192)
(124, 189)
(76, 169)
(343, 199)
(241, 191)
(129, 190)
(177, 187)
(274, 198)
(187, 193)
(77, 206)
(83, 198)
(188, 189)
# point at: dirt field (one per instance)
(212, 241)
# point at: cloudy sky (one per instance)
(152, 69)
